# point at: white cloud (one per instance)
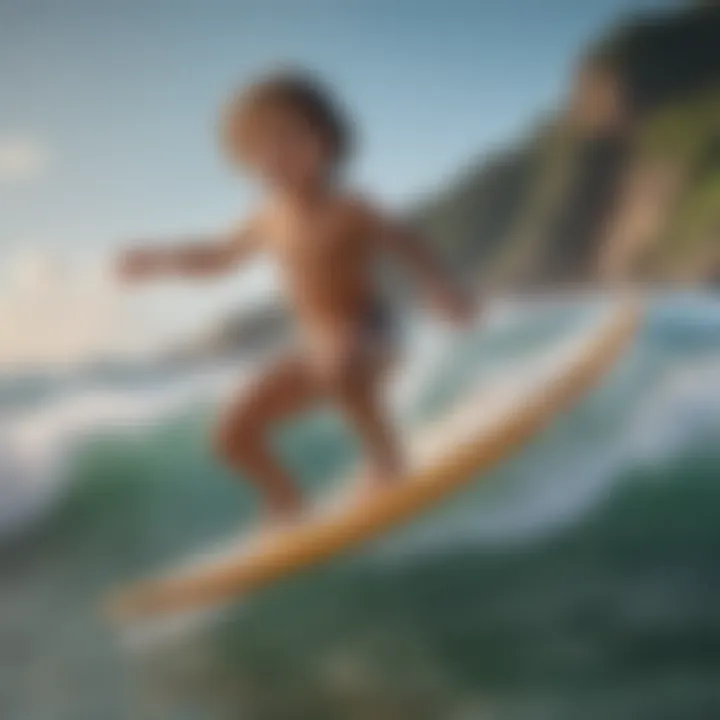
(21, 159)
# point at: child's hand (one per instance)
(139, 264)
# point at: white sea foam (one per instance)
(652, 407)
(38, 444)
(647, 417)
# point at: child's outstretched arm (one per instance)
(412, 251)
(197, 259)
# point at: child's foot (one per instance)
(283, 509)
(377, 479)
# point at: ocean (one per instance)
(578, 580)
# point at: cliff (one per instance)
(623, 181)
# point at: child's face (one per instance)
(290, 154)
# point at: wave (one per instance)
(38, 444)
(639, 422)
(591, 554)
(49, 420)
(665, 395)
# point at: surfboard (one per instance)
(482, 429)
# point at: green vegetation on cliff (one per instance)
(625, 181)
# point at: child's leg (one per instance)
(354, 379)
(363, 407)
(242, 437)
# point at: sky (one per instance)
(109, 108)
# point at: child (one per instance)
(326, 241)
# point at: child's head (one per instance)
(288, 130)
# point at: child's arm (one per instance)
(412, 251)
(198, 259)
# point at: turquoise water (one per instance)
(579, 580)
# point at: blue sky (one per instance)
(108, 110)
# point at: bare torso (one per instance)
(326, 256)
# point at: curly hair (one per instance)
(289, 93)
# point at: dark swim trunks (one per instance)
(374, 338)
(379, 331)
